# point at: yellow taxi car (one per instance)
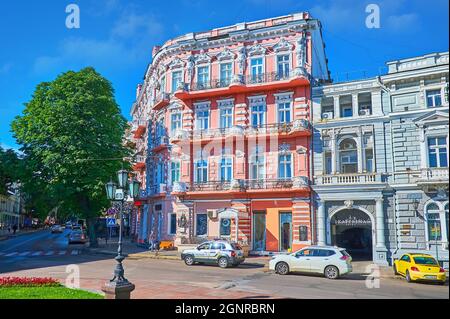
(419, 267)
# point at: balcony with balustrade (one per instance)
(139, 163)
(162, 100)
(243, 186)
(433, 176)
(350, 179)
(138, 128)
(242, 84)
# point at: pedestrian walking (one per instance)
(14, 229)
(9, 229)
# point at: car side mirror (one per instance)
(198, 248)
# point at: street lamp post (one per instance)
(119, 287)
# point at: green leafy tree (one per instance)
(71, 135)
(9, 169)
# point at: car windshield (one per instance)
(425, 261)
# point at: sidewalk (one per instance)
(4, 234)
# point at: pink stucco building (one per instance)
(222, 134)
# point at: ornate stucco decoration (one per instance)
(284, 148)
(228, 103)
(348, 203)
(225, 55)
(301, 124)
(190, 67)
(202, 58)
(300, 70)
(283, 97)
(177, 63)
(283, 45)
(300, 182)
(256, 49)
(257, 100)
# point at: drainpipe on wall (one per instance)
(388, 92)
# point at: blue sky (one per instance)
(116, 37)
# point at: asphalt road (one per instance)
(173, 279)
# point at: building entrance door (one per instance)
(352, 229)
(285, 231)
(259, 231)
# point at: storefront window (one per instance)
(202, 224)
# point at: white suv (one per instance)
(330, 261)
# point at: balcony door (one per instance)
(259, 231)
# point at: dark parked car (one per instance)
(77, 237)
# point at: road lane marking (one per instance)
(62, 252)
(38, 253)
(75, 252)
(49, 253)
(12, 254)
(24, 253)
(1, 254)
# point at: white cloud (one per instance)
(402, 22)
(129, 42)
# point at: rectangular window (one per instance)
(226, 117)
(203, 76)
(328, 160)
(369, 161)
(434, 98)
(258, 115)
(257, 171)
(226, 169)
(172, 224)
(201, 171)
(175, 172)
(284, 112)
(437, 152)
(202, 121)
(285, 166)
(225, 74)
(256, 69)
(176, 79)
(201, 224)
(175, 122)
(283, 66)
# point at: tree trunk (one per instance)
(93, 242)
(90, 220)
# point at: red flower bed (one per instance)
(28, 282)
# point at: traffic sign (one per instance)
(111, 222)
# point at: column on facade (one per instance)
(333, 152)
(360, 150)
(321, 225)
(337, 112)
(380, 223)
(355, 108)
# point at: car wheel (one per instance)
(395, 270)
(331, 272)
(223, 262)
(282, 268)
(408, 276)
(189, 260)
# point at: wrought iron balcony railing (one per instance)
(246, 80)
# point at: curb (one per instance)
(135, 256)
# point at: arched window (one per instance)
(348, 156)
(434, 222)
